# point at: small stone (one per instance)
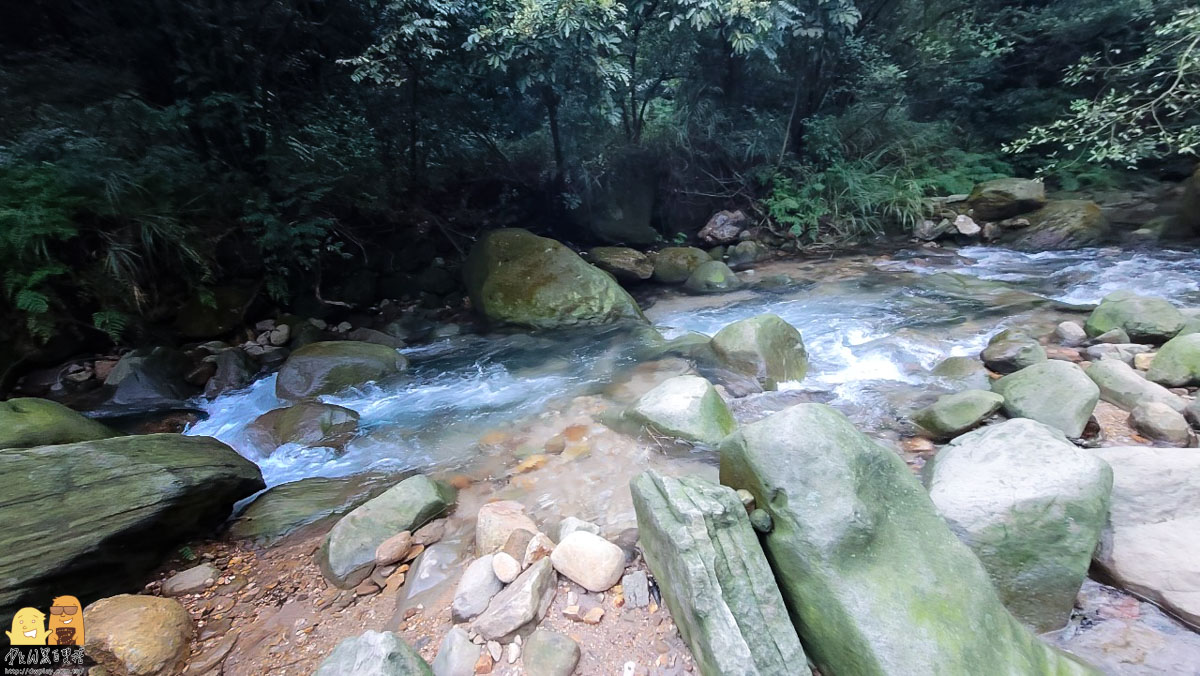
(484, 664)
(457, 655)
(917, 445)
(516, 544)
(571, 524)
(191, 581)
(430, 532)
(476, 588)
(535, 461)
(1070, 334)
(494, 650)
(760, 519)
(505, 567)
(393, 549)
(137, 634)
(1162, 423)
(538, 548)
(1142, 361)
(366, 588)
(549, 653)
(636, 586)
(514, 651)
(555, 444)
(589, 561)
(496, 521)
(747, 498)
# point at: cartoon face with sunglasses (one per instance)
(66, 622)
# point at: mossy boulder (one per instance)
(95, 517)
(30, 422)
(328, 367)
(953, 414)
(309, 423)
(1031, 505)
(1005, 198)
(765, 348)
(746, 254)
(516, 277)
(1056, 393)
(1061, 224)
(685, 407)
(876, 582)
(627, 265)
(1010, 351)
(712, 277)
(675, 264)
(1177, 363)
(1142, 318)
(286, 508)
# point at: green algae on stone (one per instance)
(26, 422)
(1177, 363)
(953, 414)
(1143, 318)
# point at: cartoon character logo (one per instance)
(66, 621)
(28, 628)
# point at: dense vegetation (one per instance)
(150, 151)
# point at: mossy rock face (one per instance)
(953, 414)
(30, 422)
(198, 319)
(328, 367)
(712, 277)
(866, 563)
(310, 424)
(627, 265)
(765, 348)
(1056, 393)
(1036, 541)
(1005, 198)
(675, 264)
(288, 507)
(95, 517)
(685, 407)
(1177, 363)
(516, 277)
(1061, 224)
(1143, 318)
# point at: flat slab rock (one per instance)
(714, 578)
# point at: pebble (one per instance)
(636, 586)
(746, 497)
(494, 650)
(393, 549)
(514, 651)
(505, 567)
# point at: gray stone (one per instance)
(761, 520)
(191, 581)
(1161, 423)
(687, 408)
(476, 588)
(1192, 413)
(1031, 506)
(95, 517)
(235, 370)
(1061, 224)
(1150, 546)
(636, 586)
(712, 277)
(1056, 393)
(1115, 351)
(348, 551)
(1122, 386)
(496, 521)
(1010, 351)
(765, 348)
(520, 606)
(866, 562)
(150, 376)
(373, 653)
(285, 508)
(1177, 364)
(953, 414)
(1111, 337)
(714, 579)
(329, 367)
(966, 372)
(1145, 318)
(457, 655)
(548, 653)
(571, 524)
(589, 561)
(746, 254)
(26, 422)
(1070, 334)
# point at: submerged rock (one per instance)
(1143, 318)
(627, 265)
(765, 348)
(964, 371)
(1177, 364)
(712, 277)
(1150, 546)
(675, 264)
(26, 422)
(1056, 393)
(714, 578)
(953, 414)
(348, 551)
(308, 423)
(516, 277)
(95, 517)
(1010, 351)
(1004, 198)
(373, 653)
(1122, 386)
(137, 635)
(685, 407)
(1031, 506)
(329, 367)
(866, 562)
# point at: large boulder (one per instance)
(1143, 318)
(765, 348)
(1031, 506)
(953, 414)
(373, 653)
(1010, 351)
(1150, 546)
(347, 554)
(95, 517)
(1056, 393)
(673, 265)
(723, 227)
(714, 578)
(875, 580)
(516, 277)
(40, 422)
(685, 407)
(137, 635)
(1061, 224)
(1121, 385)
(712, 277)
(627, 265)
(1177, 364)
(309, 424)
(286, 508)
(1005, 198)
(328, 367)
